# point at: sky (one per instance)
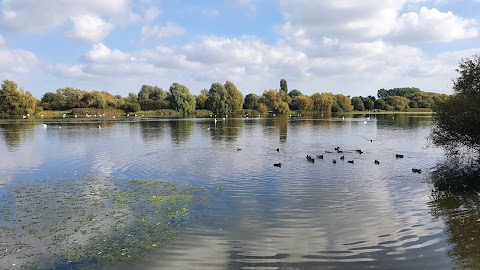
(343, 46)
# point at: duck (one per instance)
(337, 148)
(320, 156)
(309, 158)
(416, 170)
(398, 156)
(342, 157)
(278, 149)
(350, 161)
(239, 149)
(376, 162)
(334, 161)
(277, 164)
(359, 151)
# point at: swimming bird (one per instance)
(398, 156)
(320, 156)
(376, 162)
(416, 170)
(44, 125)
(350, 161)
(278, 149)
(334, 161)
(277, 164)
(359, 151)
(238, 149)
(342, 157)
(309, 158)
(24, 116)
(337, 148)
(99, 127)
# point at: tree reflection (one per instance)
(153, 130)
(15, 133)
(458, 203)
(227, 129)
(181, 130)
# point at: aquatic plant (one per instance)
(92, 222)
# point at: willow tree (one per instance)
(234, 98)
(217, 99)
(14, 100)
(181, 99)
(457, 119)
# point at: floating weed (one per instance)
(92, 222)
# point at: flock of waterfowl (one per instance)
(338, 151)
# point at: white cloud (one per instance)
(15, 61)
(370, 20)
(433, 25)
(162, 32)
(35, 16)
(101, 53)
(151, 14)
(89, 28)
(70, 71)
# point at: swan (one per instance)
(44, 125)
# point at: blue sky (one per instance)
(343, 46)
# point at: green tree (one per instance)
(14, 100)
(251, 101)
(304, 103)
(368, 103)
(323, 101)
(284, 86)
(397, 102)
(275, 101)
(234, 98)
(181, 99)
(344, 103)
(357, 104)
(153, 98)
(217, 99)
(294, 93)
(457, 119)
(201, 101)
(380, 104)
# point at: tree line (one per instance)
(220, 99)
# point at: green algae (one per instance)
(94, 222)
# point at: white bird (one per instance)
(99, 127)
(44, 125)
(365, 121)
(24, 117)
(64, 115)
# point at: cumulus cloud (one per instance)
(101, 53)
(162, 32)
(15, 61)
(35, 16)
(370, 20)
(433, 25)
(89, 28)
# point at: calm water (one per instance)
(300, 216)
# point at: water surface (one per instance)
(302, 215)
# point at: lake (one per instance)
(153, 193)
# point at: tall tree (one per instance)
(251, 101)
(284, 86)
(217, 99)
(234, 98)
(14, 100)
(181, 99)
(457, 119)
(357, 104)
(275, 101)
